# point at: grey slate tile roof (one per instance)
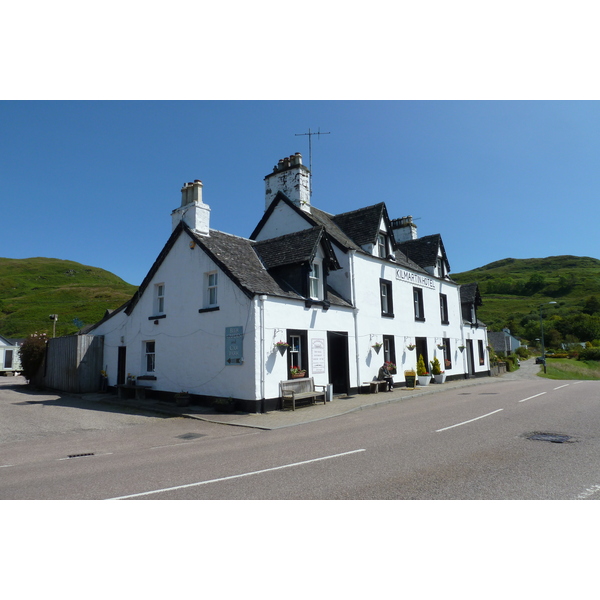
(289, 249)
(424, 251)
(469, 294)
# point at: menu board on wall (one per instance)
(317, 356)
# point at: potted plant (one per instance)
(224, 405)
(377, 347)
(182, 399)
(423, 375)
(439, 376)
(282, 347)
(296, 373)
(461, 348)
(410, 347)
(410, 377)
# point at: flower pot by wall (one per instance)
(182, 399)
(298, 375)
(424, 379)
(440, 378)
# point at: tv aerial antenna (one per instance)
(310, 133)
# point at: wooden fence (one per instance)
(72, 364)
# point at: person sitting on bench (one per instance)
(385, 375)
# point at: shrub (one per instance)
(511, 363)
(589, 354)
(32, 354)
(522, 352)
(421, 369)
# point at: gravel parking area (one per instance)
(26, 413)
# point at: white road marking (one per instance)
(188, 485)
(530, 397)
(2, 466)
(578, 382)
(589, 492)
(562, 386)
(469, 421)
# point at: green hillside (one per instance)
(31, 289)
(514, 289)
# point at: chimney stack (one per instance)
(193, 212)
(404, 229)
(291, 178)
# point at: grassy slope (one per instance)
(33, 288)
(565, 368)
(568, 280)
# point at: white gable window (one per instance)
(150, 356)
(159, 299)
(211, 280)
(314, 279)
(381, 246)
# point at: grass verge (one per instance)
(566, 368)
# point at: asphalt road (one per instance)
(469, 443)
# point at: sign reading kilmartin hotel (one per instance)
(415, 279)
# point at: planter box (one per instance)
(440, 378)
(424, 379)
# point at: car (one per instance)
(539, 360)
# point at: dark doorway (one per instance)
(470, 359)
(121, 365)
(337, 357)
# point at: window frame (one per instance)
(386, 298)
(447, 353)
(159, 299)
(445, 318)
(418, 304)
(381, 245)
(315, 283)
(149, 356)
(212, 288)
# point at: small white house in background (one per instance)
(345, 293)
(10, 359)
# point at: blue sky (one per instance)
(96, 181)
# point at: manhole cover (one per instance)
(555, 438)
(190, 436)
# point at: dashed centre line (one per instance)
(561, 386)
(530, 397)
(198, 483)
(469, 421)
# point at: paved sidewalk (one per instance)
(288, 418)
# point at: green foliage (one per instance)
(512, 364)
(523, 353)
(565, 368)
(436, 368)
(513, 290)
(33, 288)
(421, 369)
(32, 354)
(589, 354)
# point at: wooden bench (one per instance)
(376, 386)
(140, 390)
(299, 389)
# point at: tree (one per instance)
(32, 354)
(591, 306)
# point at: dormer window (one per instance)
(381, 245)
(441, 271)
(314, 279)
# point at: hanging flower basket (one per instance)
(282, 347)
(377, 347)
(461, 348)
(410, 347)
(440, 346)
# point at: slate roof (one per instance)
(469, 294)
(294, 248)
(424, 251)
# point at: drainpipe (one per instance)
(355, 313)
(262, 299)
